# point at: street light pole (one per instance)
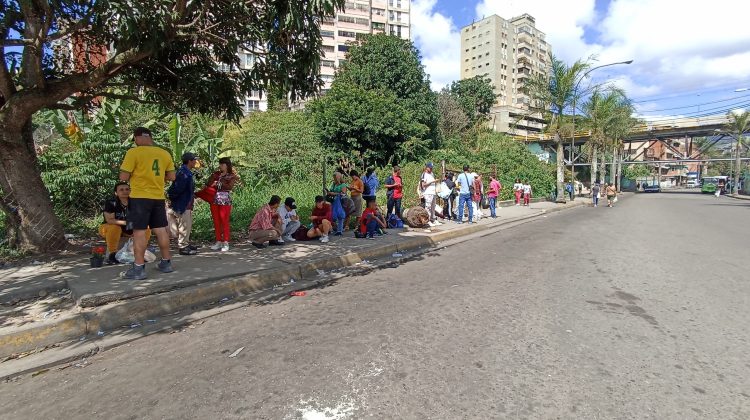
(575, 98)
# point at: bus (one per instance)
(709, 184)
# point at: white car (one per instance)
(692, 183)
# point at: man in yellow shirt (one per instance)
(147, 167)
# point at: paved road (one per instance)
(634, 312)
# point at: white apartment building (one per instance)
(359, 17)
(507, 52)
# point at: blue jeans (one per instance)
(340, 225)
(595, 197)
(465, 199)
(372, 227)
(493, 203)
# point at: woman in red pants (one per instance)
(223, 181)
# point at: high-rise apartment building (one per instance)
(359, 17)
(507, 52)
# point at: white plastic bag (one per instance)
(126, 256)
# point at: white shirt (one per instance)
(517, 186)
(526, 189)
(429, 180)
(286, 216)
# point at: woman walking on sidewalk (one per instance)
(526, 193)
(611, 194)
(518, 191)
(223, 181)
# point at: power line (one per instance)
(683, 93)
(705, 113)
(696, 105)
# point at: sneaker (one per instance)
(136, 272)
(276, 242)
(289, 239)
(257, 245)
(217, 246)
(337, 234)
(193, 247)
(431, 224)
(165, 266)
(225, 247)
(324, 239)
(188, 251)
(112, 260)
(369, 236)
(437, 223)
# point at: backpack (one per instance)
(366, 189)
(394, 222)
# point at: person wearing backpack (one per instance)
(371, 184)
(181, 198)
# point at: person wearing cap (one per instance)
(147, 167)
(181, 198)
(427, 186)
(289, 219)
(322, 220)
(266, 225)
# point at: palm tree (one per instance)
(551, 94)
(599, 111)
(739, 124)
(621, 125)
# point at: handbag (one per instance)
(483, 202)
(471, 185)
(207, 194)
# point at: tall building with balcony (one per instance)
(507, 52)
(359, 17)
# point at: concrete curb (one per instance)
(107, 318)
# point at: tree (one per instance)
(739, 124)
(391, 64)
(551, 94)
(374, 124)
(453, 119)
(65, 54)
(601, 111)
(475, 95)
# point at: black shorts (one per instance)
(147, 213)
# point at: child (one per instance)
(526, 193)
(518, 191)
(371, 220)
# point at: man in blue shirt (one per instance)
(465, 183)
(180, 213)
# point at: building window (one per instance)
(223, 67)
(327, 63)
(327, 34)
(249, 60)
(378, 12)
(252, 105)
(346, 19)
(347, 34)
(328, 48)
(378, 26)
(254, 94)
(395, 30)
(344, 48)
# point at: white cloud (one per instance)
(676, 45)
(439, 41)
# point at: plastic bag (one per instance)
(125, 254)
(338, 209)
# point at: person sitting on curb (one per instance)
(289, 220)
(371, 221)
(266, 225)
(181, 198)
(115, 224)
(322, 220)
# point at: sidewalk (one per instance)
(47, 304)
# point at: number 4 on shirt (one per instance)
(155, 168)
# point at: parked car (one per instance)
(692, 183)
(654, 188)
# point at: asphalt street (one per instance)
(639, 311)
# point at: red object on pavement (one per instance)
(297, 294)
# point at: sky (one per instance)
(689, 58)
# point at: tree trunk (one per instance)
(603, 166)
(25, 199)
(612, 174)
(594, 156)
(619, 170)
(560, 170)
(737, 165)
